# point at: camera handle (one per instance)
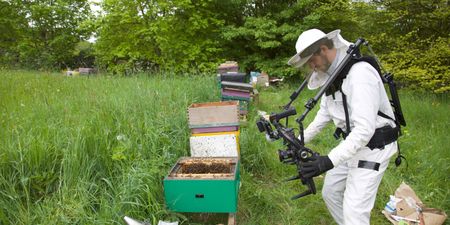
(295, 95)
(300, 155)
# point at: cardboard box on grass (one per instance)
(407, 195)
(263, 79)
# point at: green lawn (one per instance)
(90, 150)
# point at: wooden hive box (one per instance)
(233, 77)
(214, 129)
(242, 94)
(213, 114)
(236, 86)
(263, 80)
(86, 70)
(228, 66)
(203, 185)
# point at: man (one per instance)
(354, 170)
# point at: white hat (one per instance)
(309, 38)
(305, 40)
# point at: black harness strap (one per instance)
(385, 116)
(383, 135)
(368, 165)
(390, 118)
(347, 117)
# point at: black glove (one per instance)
(315, 167)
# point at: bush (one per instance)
(421, 64)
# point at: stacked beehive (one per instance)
(215, 129)
(234, 86)
(208, 181)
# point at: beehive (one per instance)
(228, 66)
(198, 184)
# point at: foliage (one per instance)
(83, 54)
(414, 43)
(427, 68)
(270, 32)
(10, 27)
(42, 34)
(122, 34)
(197, 35)
(171, 35)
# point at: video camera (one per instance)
(295, 153)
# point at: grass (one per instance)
(90, 150)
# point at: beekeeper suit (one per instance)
(354, 171)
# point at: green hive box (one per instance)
(190, 187)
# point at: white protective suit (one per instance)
(349, 192)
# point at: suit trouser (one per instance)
(349, 192)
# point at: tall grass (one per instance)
(89, 150)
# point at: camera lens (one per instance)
(284, 155)
(260, 125)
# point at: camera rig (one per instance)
(295, 153)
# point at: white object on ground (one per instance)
(167, 223)
(398, 218)
(131, 221)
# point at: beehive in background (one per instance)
(236, 91)
(234, 77)
(228, 66)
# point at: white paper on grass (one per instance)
(131, 221)
(167, 223)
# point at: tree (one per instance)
(173, 35)
(44, 33)
(271, 28)
(414, 42)
(124, 35)
(12, 27)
